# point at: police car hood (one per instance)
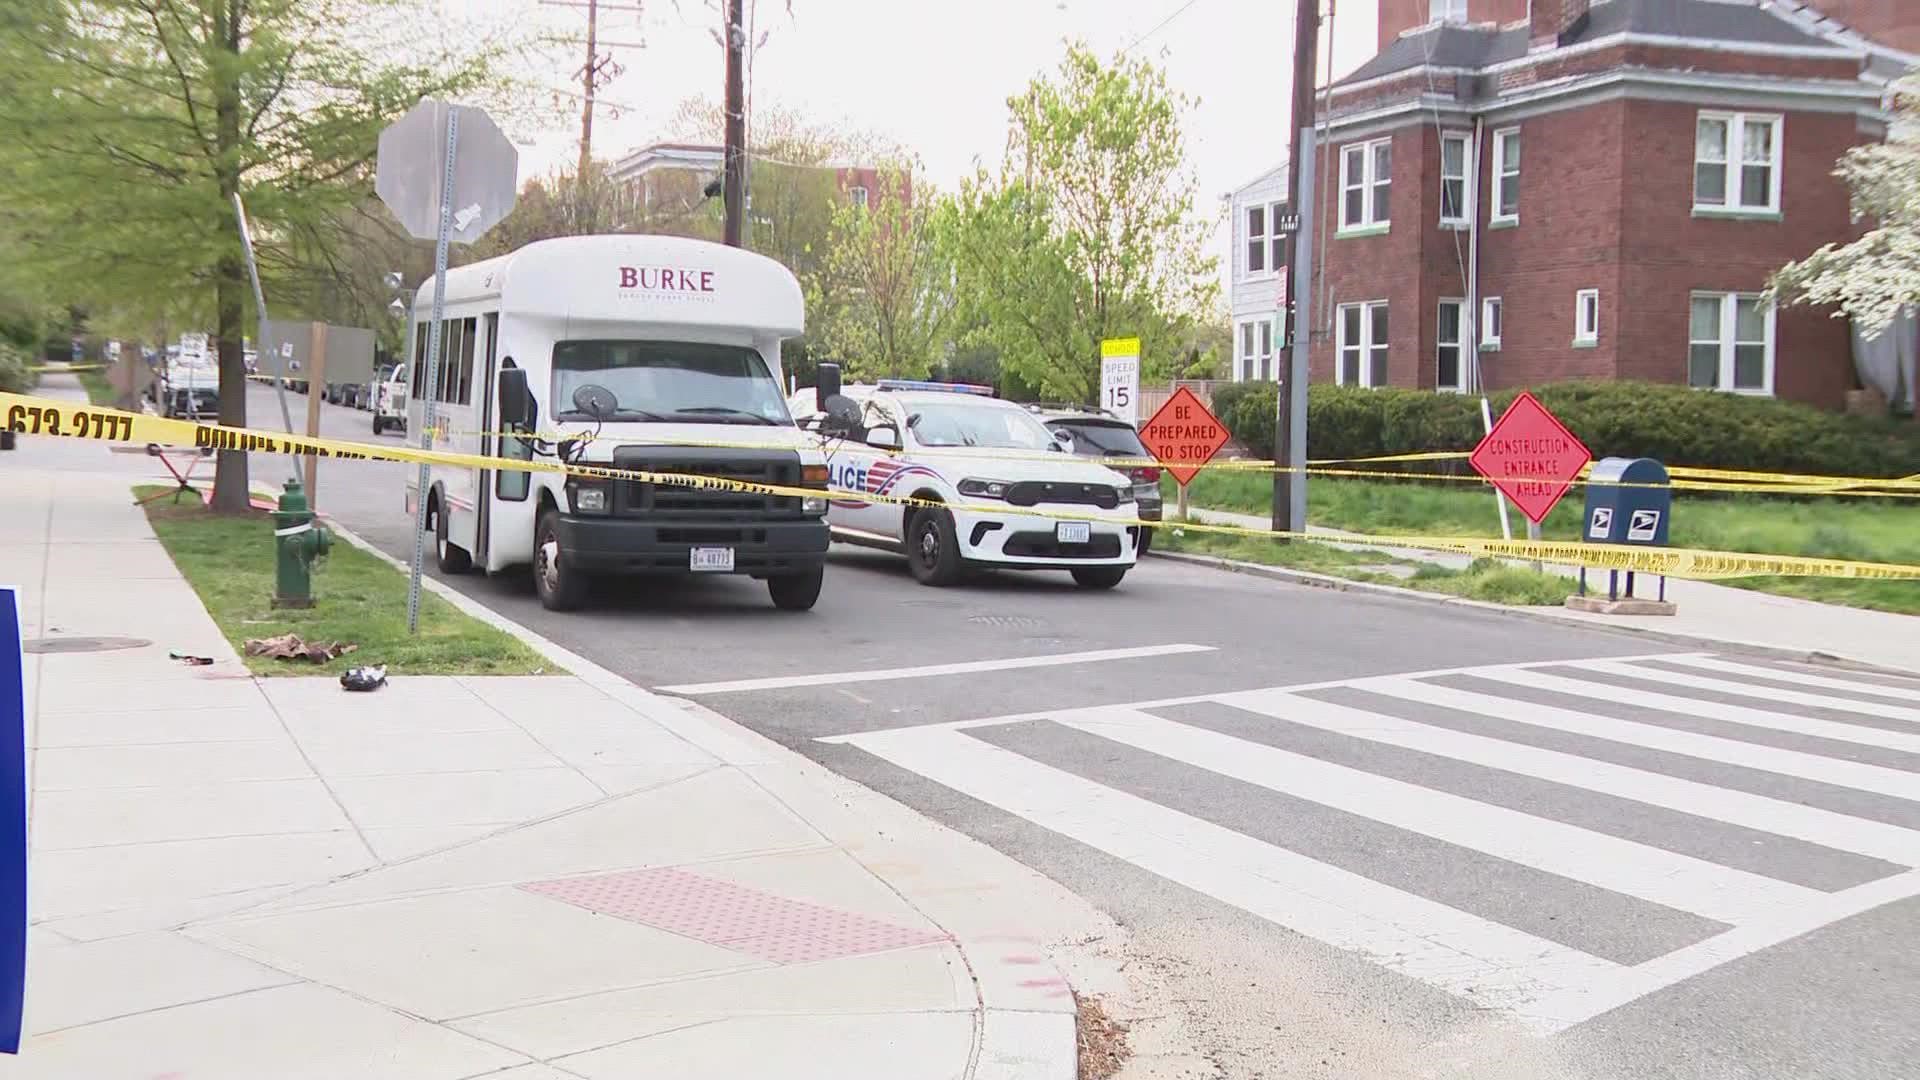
(994, 463)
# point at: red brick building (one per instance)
(1513, 193)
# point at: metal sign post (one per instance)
(260, 302)
(443, 170)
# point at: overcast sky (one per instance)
(935, 74)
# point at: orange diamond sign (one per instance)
(1183, 435)
(1531, 457)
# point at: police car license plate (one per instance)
(711, 558)
(1073, 532)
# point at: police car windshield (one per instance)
(958, 424)
(692, 382)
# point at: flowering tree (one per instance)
(1873, 277)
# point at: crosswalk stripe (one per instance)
(1608, 862)
(1811, 824)
(1825, 770)
(1486, 961)
(1908, 742)
(1755, 671)
(1772, 693)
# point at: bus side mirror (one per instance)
(516, 401)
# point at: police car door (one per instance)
(862, 467)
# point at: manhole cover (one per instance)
(1006, 622)
(83, 644)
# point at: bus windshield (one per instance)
(687, 382)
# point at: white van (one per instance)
(630, 352)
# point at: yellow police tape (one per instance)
(43, 416)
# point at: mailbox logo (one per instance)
(1643, 524)
(1602, 524)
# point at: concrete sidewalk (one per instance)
(529, 878)
(1707, 611)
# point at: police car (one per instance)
(958, 445)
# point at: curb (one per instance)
(1013, 1040)
(1327, 581)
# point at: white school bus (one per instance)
(630, 352)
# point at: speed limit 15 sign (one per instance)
(1120, 378)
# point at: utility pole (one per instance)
(596, 72)
(735, 185)
(1290, 405)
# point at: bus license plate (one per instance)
(713, 559)
(1073, 532)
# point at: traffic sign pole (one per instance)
(431, 384)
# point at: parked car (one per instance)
(1099, 433)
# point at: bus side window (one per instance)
(512, 485)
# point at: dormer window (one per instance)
(1453, 11)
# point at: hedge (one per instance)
(17, 375)
(1673, 424)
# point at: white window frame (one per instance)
(1459, 304)
(1502, 178)
(1492, 312)
(1463, 210)
(1583, 332)
(1734, 163)
(1276, 240)
(1728, 342)
(859, 195)
(1266, 348)
(1367, 183)
(1243, 346)
(1446, 11)
(1252, 242)
(1366, 344)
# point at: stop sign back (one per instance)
(1531, 457)
(1184, 435)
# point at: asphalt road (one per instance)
(1354, 835)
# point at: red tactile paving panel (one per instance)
(732, 916)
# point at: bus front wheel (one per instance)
(560, 588)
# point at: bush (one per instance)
(1673, 424)
(17, 375)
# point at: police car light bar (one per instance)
(950, 388)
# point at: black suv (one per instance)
(1101, 434)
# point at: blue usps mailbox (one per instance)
(1629, 501)
(13, 824)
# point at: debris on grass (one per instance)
(1103, 1040)
(291, 647)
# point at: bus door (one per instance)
(489, 419)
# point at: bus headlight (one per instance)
(814, 504)
(589, 499)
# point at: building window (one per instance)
(860, 197)
(1276, 211)
(1506, 175)
(1256, 239)
(1736, 162)
(1490, 317)
(1450, 368)
(1586, 317)
(1453, 179)
(1446, 10)
(1244, 368)
(1266, 349)
(1362, 344)
(1730, 343)
(1366, 182)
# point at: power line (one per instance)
(1161, 25)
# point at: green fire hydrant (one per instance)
(298, 543)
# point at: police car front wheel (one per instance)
(1098, 577)
(933, 550)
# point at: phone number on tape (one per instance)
(32, 420)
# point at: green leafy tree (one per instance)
(1873, 277)
(128, 126)
(884, 291)
(1087, 232)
